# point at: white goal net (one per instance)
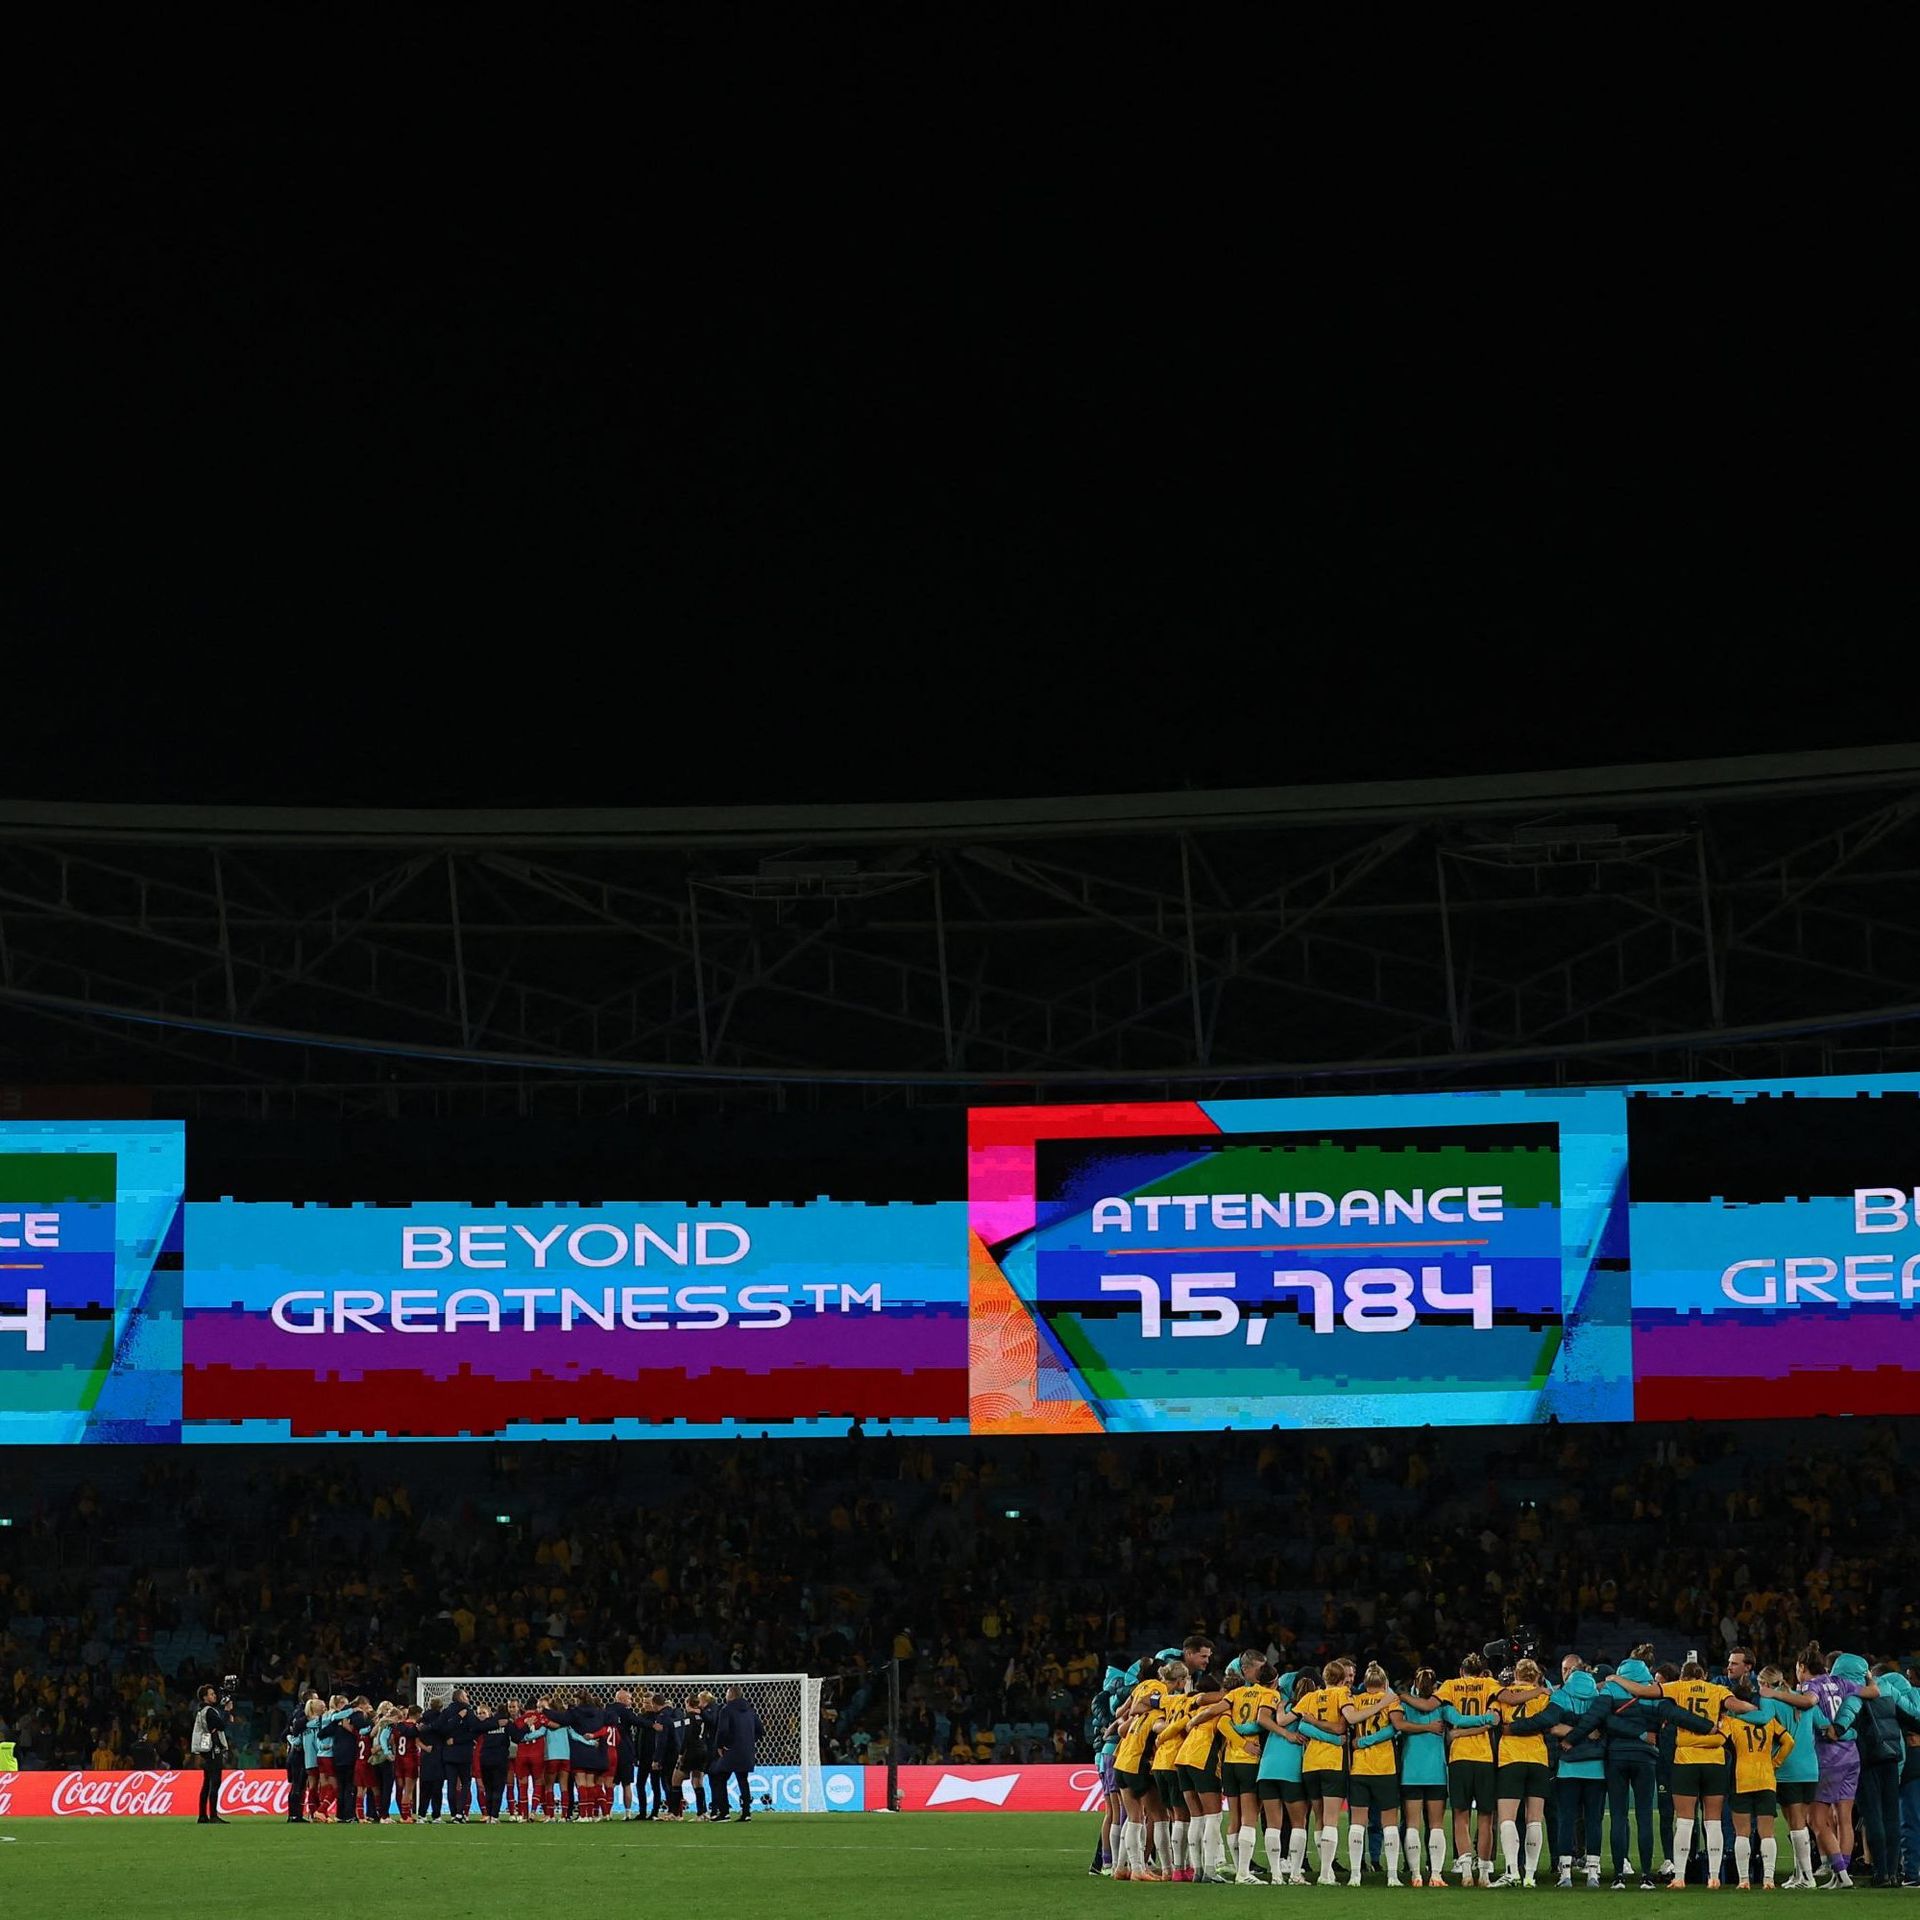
(786, 1768)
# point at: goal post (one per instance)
(786, 1762)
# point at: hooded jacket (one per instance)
(1848, 1722)
(1906, 1711)
(1625, 1727)
(1584, 1759)
(1877, 1725)
(1106, 1705)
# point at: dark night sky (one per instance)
(934, 448)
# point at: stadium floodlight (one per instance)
(1012, 1513)
(786, 1764)
(503, 1519)
(6, 1519)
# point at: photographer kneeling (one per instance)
(209, 1747)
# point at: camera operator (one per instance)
(209, 1746)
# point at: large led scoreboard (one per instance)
(1705, 1251)
(1710, 1250)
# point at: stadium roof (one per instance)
(1755, 914)
(1770, 776)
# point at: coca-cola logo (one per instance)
(1086, 1780)
(6, 1791)
(241, 1793)
(145, 1792)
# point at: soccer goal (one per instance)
(786, 1768)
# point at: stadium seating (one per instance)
(126, 1579)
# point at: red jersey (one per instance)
(365, 1755)
(609, 1739)
(405, 1737)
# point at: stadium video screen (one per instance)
(90, 1248)
(572, 1322)
(1443, 1260)
(1659, 1252)
(1709, 1251)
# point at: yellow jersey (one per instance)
(1130, 1757)
(1175, 1710)
(1515, 1747)
(1196, 1750)
(1370, 1762)
(1758, 1748)
(1470, 1694)
(1692, 1749)
(1323, 1703)
(1243, 1703)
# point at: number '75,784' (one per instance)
(1371, 1300)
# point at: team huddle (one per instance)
(560, 1756)
(1198, 1766)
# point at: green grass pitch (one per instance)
(792, 1866)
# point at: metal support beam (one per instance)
(1184, 952)
(459, 953)
(226, 933)
(1193, 953)
(1456, 1028)
(699, 970)
(1716, 991)
(940, 952)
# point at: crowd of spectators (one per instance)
(1003, 1575)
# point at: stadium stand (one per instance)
(126, 1579)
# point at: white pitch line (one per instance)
(830, 1846)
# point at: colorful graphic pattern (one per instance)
(1776, 1249)
(570, 1322)
(1129, 1290)
(1109, 1272)
(90, 1281)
